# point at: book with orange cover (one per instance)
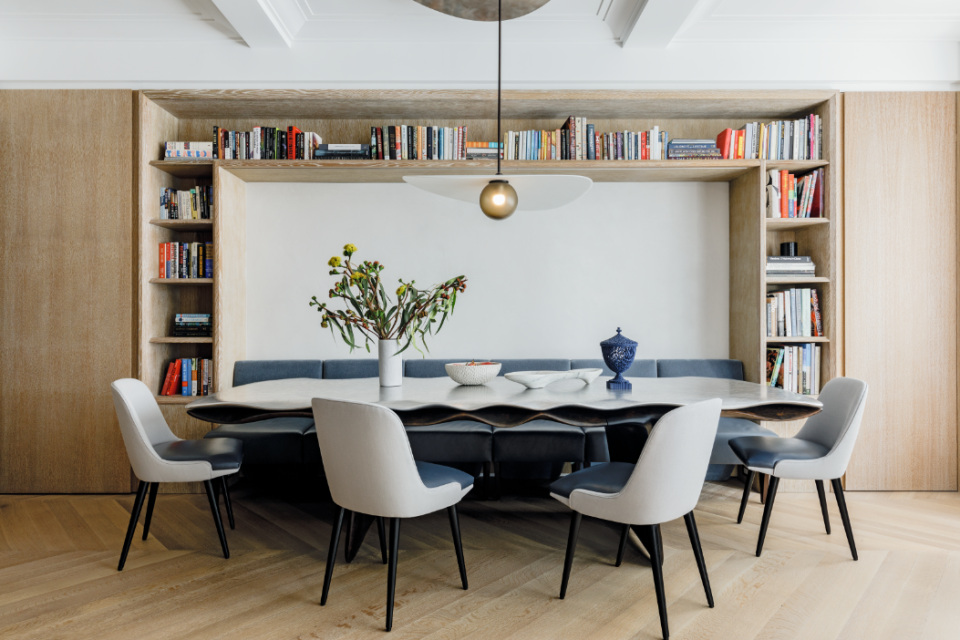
(292, 142)
(784, 192)
(168, 380)
(723, 143)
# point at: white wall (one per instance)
(650, 258)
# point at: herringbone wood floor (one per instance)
(58, 577)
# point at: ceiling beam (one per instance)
(263, 23)
(650, 24)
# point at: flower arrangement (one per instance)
(373, 315)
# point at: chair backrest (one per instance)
(837, 426)
(367, 458)
(702, 368)
(668, 477)
(250, 371)
(143, 426)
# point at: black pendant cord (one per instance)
(503, 148)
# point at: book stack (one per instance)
(790, 267)
(794, 313)
(342, 152)
(265, 143)
(681, 149)
(188, 150)
(192, 325)
(780, 140)
(484, 150)
(195, 204)
(794, 368)
(791, 196)
(180, 260)
(188, 377)
(406, 142)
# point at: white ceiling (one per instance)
(573, 43)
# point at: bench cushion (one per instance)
(457, 441)
(249, 371)
(539, 441)
(639, 368)
(273, 441)
(352, 368)
(222, 453)
(701, 368)
(429, 368)
(533, 364)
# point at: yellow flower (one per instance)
(334, 261)
(401, 290)
(357, 276)
(349, 250)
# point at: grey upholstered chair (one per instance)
(820, 451)
(157, 455)
(371, 470)
(663, 485)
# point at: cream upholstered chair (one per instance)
(820, 451)
(370, 469)
(663, 485)
(157, 455)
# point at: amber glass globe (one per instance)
(498, 200)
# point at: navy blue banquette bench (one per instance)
(536, 449)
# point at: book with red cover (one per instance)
(163, 260)
(292, 142)
(168, 380)
(816, 207)
(784, 192)
(741, 137)
(816, 320)
(175, 383)
(723, 143)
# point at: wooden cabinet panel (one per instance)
(900, 184)
(66, 288)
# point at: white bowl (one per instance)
(540, 379)
(466, 374)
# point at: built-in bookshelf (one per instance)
(347, 116)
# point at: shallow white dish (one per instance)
(471, 375)
(540, 379)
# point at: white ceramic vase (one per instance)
(391, 364)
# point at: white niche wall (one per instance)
(651, 258)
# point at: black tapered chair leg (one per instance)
(575, 518)
(498, 486)
(455, 530)
(226, 501)
(698, 554)
(392, 571)
(747, 487)
(152, 500)
(656, 563)
(216, 518)
(844, 516)
(823, 505)
(767, 510)
(623, 544)
(332, 555)
(132, 527)
(382, 534)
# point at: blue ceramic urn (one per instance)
(618, 353)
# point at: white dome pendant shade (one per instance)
(534, 193)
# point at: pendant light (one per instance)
(499, 196)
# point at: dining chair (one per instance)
(157, 455)
(663, 485)
(820, 451)
(370, 469)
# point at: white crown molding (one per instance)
(263, 23)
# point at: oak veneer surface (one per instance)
(67, 296)
(58, 577)
(901, 302)
(746, 274)
(229, 276)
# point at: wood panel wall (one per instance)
(901, 287)
(67, 288)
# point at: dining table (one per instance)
(500, 403)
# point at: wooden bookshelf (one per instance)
(173, 340)
(175, 399)
(345, 116)
(796, 340)
(182, 282)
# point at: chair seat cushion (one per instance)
(456, 441)
(273, 441)
(539, 441)
(607, 477)
(764, 452)
(435, 475)
(222, 453)
(727, 430)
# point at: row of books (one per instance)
(794, 368)
(265, 143)
(579, 140)
(180, 260)
(792, 196)
(779, 140)
(791, 267)
(188, 150)
(794, 313)
(192, 325)
(188, 377)
(406, 142)
(195, 204)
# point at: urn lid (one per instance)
(618, 341)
